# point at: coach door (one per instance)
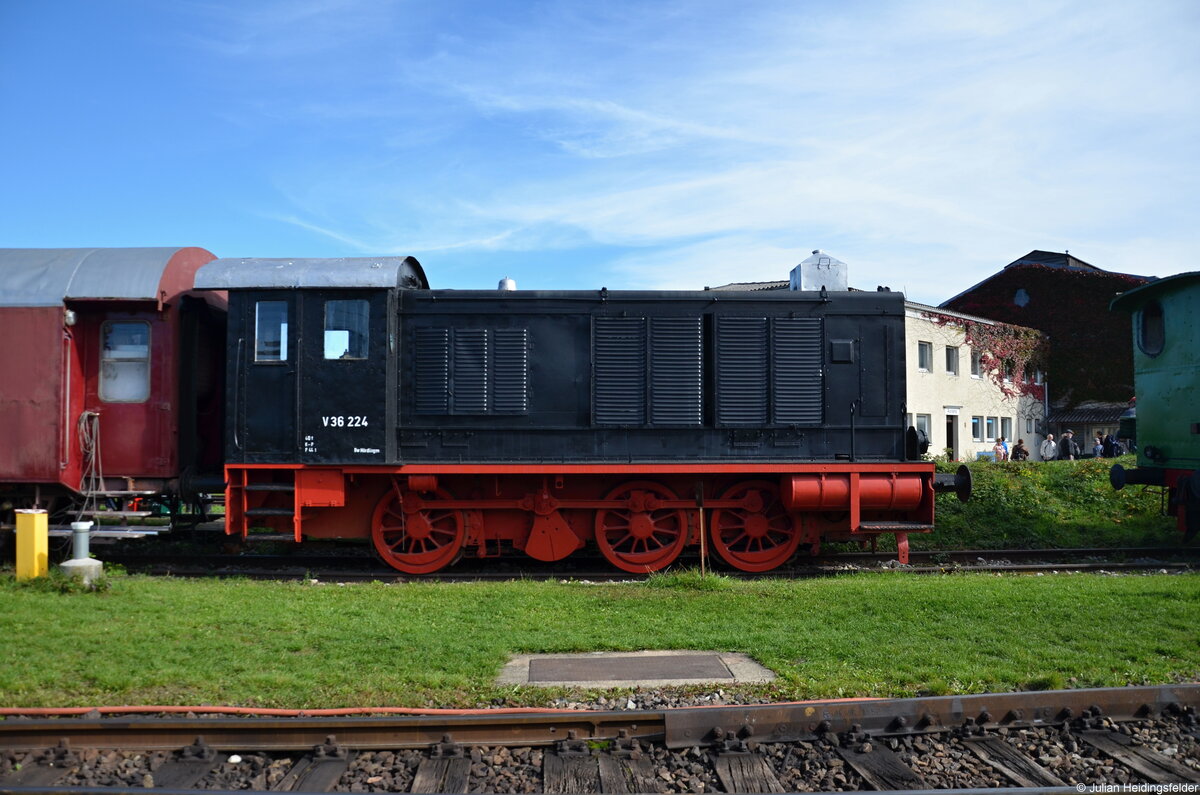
(266, 385)
(343, 400)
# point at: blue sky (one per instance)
(622, 144)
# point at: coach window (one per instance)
(125, 362)
(346, 329)
(270, 331)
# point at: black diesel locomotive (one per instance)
(440, 423)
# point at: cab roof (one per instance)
(322, 272)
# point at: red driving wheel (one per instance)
(759, 535)
(641, 536)
(412, 534)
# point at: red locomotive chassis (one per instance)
(421, 518)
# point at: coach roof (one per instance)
(48, 276)
(332, 272)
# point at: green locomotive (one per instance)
(1166, 361)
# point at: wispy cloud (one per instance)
(356, 244)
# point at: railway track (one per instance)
(359, 566)
(1065, 740)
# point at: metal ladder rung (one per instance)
(270, 512)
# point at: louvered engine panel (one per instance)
(676, 361)
(432, 371)
(619, 360)
(796, 378)
(510, 371)
(470, 372)
(742, 370)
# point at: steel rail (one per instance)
(368, 733)
(690, 726)
(677, 728)
(120, 790)
(332, 571)
(315, 558)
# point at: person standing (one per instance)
(1067, 449)
(1000, 450)
(1020, 452)
(1049, 448)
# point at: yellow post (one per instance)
(33, 546)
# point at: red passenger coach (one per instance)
(110, 374)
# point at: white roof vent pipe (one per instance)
(820, 270)
(507, 284)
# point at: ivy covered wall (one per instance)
(1089, 349)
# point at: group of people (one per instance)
(1107, 446)
(1066, 449)
(1019, 451)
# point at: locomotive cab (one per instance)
(311, 371)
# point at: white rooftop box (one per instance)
(820, 270)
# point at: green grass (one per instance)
(1049, 504)
(166, 641)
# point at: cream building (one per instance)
(962, 409)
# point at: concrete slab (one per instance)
(633, 669)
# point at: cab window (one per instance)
(125, 362)
(346, 329)
(270, 331)
(1152, 333)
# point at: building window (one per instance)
(990, 430)
(1006, 427)
(1028, 425)
(924, 425)
(925, 356)
(952, 359)
(271, 331)
(977, 428)
(346, 329)
(976, 365)
(125, 362)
